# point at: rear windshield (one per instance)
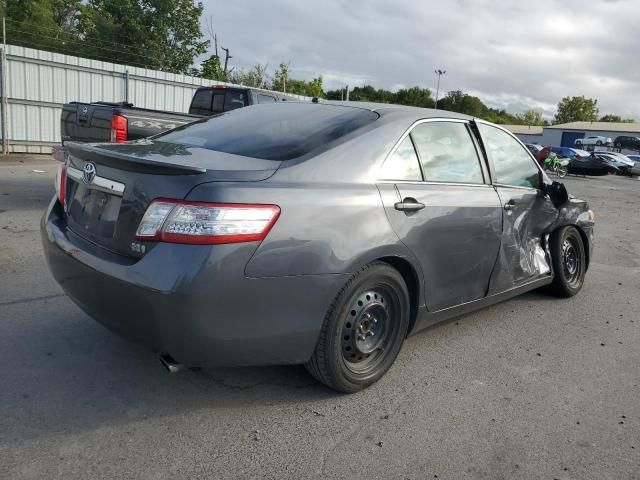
(280, 131)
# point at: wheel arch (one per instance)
(411, 280)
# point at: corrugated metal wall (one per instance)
(40, 82)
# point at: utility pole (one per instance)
(5, 127)
(439, 73)
(347, 93)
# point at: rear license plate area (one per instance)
(92, 213)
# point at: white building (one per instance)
(565, 134)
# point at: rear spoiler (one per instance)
(131, 163)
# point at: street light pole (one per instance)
(439, 73)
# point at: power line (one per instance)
(58, 31)
(84, 43)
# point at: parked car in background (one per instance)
(120, 122)
(198, 242)
(635, 158)
(567, 152)
(626, 165)
(534, 148)
(627, 141)
(593, 165)
(593, 140)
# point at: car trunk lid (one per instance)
(109, 186)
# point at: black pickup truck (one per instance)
(119, 122)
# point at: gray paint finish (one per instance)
(264, 303)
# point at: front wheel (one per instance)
(599, 143)
(568, 256)
(363, 330)
(562, 171)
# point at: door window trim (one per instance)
(489, 159)
(482, 159)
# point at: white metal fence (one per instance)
(38, 83)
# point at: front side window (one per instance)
(234, 99)
(402, 164)
(512, 163)
(447, 152)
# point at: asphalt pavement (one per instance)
(533, 388)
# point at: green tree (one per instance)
(531, 117)
(577, 109)
(280, 78)
(43, 24)
(211, 69)
(283, 83)
(255, 77)
(159, 34)
(314, 87)
(414, 96)
(615, 119)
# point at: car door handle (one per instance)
(509, 205)
(409, 205)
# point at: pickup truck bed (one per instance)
(120, 122)
(94, 122)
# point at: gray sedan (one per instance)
(320, 234)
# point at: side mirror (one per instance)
(557, 193)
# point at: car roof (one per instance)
(409, 112)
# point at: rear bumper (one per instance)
(192, 302)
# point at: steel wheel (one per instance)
(571, 262)
(569, 258)
(363, 330)
(367, 328)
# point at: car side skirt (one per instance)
(427, 319)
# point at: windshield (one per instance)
(279, 131)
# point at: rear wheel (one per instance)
(363, 330)
(599, 143)
(569, 262)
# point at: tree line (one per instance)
(166, 35)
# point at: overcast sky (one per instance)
(512, 54)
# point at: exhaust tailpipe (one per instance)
(170, 364)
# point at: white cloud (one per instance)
(513, 55)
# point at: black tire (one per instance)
(569, 262)
(349, 358)
(599, 143)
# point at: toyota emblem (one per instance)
(88, 172)
(85, 109)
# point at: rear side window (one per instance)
(234, 99)
(512, 163)
(201, 103)
(218, 103)
(280, 131)
(266, 98)
(402, 164)
(447, 152)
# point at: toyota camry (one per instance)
(320, 234)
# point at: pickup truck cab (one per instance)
(120, 122)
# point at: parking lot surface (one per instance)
(535, 387)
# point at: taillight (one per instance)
(61, 183)
(177, 221)
(119, 128)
